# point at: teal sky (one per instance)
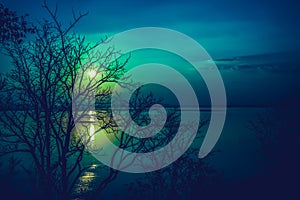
(226, 29)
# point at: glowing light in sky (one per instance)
(92, 73)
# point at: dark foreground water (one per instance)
(239, 157)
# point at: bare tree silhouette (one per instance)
(38, 121)
(13, 28)
(38, 118)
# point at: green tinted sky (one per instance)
(224, 28)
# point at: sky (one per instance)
(226, 29)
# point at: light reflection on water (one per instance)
(234, 165)
(86, 183)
